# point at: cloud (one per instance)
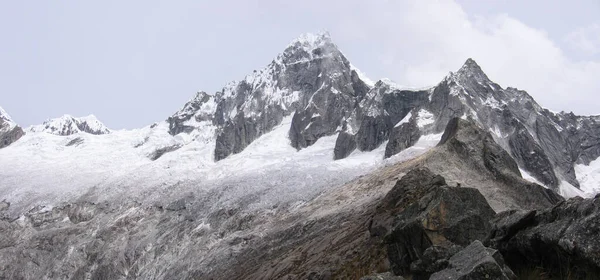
(585, 39)
(423, 40)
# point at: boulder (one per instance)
(563, 240)
(420, 212)
(475, 262)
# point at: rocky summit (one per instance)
(306, 169)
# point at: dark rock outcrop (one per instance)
(344, 145)
(372, 132)
(531, 156)
(9, 131)
(420, 212)
(161, 151)
(10, 136)
(475, 262)
(563, 240)
(402, 137)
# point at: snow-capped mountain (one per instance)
(298, 150)
(67, 125)
(324, 95)
(311, 79)
(9, 130)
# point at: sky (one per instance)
(132, 63)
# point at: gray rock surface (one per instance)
(345, 144)
(421, 211)
(9, 130)
(402, 137)
(10, 136)
(475, 262)
(468, 155)
(563, 240)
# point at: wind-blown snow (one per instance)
(404, 120)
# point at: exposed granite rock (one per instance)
(563, 239)
(402, 137)
(9, 130)
(10, 136)
(475, 262)
(161, 151)
(344, 145)
(373, 131)
(421, 211)
(531, 156)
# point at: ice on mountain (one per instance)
(404, 120)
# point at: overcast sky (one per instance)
(132, 63)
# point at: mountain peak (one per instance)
(67, 125)
(471, 69)
(309, 46)
(312, 39)
(5, 118)
(470, 66)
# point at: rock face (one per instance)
(421, 212)
(563, 240)
(402, 137)
(344, 145)
(9, 130)
(68, 125)
(476, 262)
(469, 155)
